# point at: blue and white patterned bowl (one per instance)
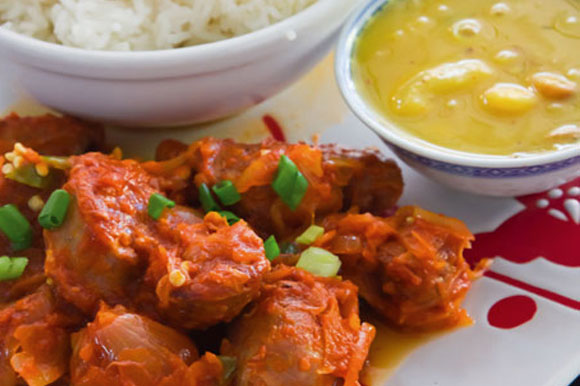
(512, 175)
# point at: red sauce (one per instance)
(274, 128)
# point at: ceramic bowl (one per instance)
(178, 86)
(476, 173)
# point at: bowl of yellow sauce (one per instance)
(482, 95)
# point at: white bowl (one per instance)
(476, 173)
(178, 86)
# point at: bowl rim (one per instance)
(388, 130)
(134, 63)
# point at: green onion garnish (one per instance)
(21, 245)
(229, 365)
(158, 202)
(16, 227)
(227, 192)
(300, 187)
(289, 248)
(27, 175)
(56, 162)
(310, 235)
(319, 262)
(54, 211)
(207, 201)
(289, 183)
(272, 248)
(231, 217)
(283, 183)
(12, 267)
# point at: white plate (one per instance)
(542, 351)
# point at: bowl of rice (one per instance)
(151, 63)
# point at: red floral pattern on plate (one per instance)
(547, 227)
(512, 311)
(536, 231)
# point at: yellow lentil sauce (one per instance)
(480, 76)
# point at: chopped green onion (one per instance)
(231, 217)
(283, 183)
(5, 264)
(158, 202)
(289, 248)
(300, 187)
(289, 183)
(207, 201)
(12, 267)
(27, 175)
(17, 267)
(54, 211)
(227, 192)
(229, 364)
(272, 248)
(319, 262)
(20, 245)
(310, 235)
(16, 227)
(57, 162)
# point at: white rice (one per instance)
(142, 24)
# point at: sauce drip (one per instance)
(390, 349)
